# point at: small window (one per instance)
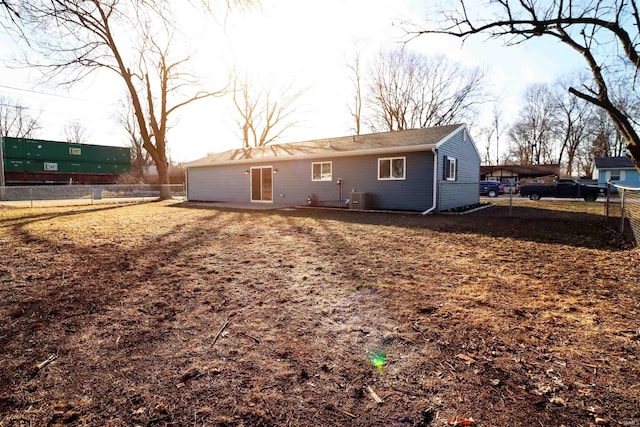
(450, 169)
(615, 176)
(391, 168)
(321, 171)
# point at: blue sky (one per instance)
(307, 43)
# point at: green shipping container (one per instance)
(21, 148)
(31, 155)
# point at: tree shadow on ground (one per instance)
(578, 229)
(133, 310)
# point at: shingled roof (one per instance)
(623, 162)
(406, 140)
(524, 170)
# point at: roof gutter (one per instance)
(435, 182)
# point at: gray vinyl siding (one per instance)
(293, 185)
(219, 184)
(464, 191)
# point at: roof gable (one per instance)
(407, 140)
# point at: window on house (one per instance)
(615, 176)
(391, 168)
(450, 169)
(321, 171)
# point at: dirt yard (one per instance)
(167, 314)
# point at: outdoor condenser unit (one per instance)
(359, 201)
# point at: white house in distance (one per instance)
(423, 170)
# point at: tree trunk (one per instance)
(163, 180)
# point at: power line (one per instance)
(83, 116)
(53, 95)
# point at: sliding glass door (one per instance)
(262, 184)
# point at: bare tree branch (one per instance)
(135, 40)
(590, 28)
(15, 121)
(408, 90)
(264, 115)
(76, 132)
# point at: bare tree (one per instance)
(264, 114)
(576, 126)
(535, 132)
(15, 120)
(597, 146)
(355, 108)
(593, 28)
(488, 133)
(494, 132)
(408, 90)
(76, 132)
(393, 81)
(134, 39)
(600, 145)
(628, 101)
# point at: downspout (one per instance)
(435, 182)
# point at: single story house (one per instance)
(521, 173)
(618, 170)
(424, 170)
(511, 176)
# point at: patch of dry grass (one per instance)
(164, 314)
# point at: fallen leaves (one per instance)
(288, 318)
(460, 421)
(466, 358)
(558, 401)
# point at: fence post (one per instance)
(606, 209)
(622, 210)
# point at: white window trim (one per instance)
(611, 174)
(391, 177)
(453, 169)
(329, 178)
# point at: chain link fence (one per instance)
(625, 204)
(64, 195)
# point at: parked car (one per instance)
(491, 188)
(564, 188)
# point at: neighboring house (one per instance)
(521, 173)
(424, 170)
(618, 170)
